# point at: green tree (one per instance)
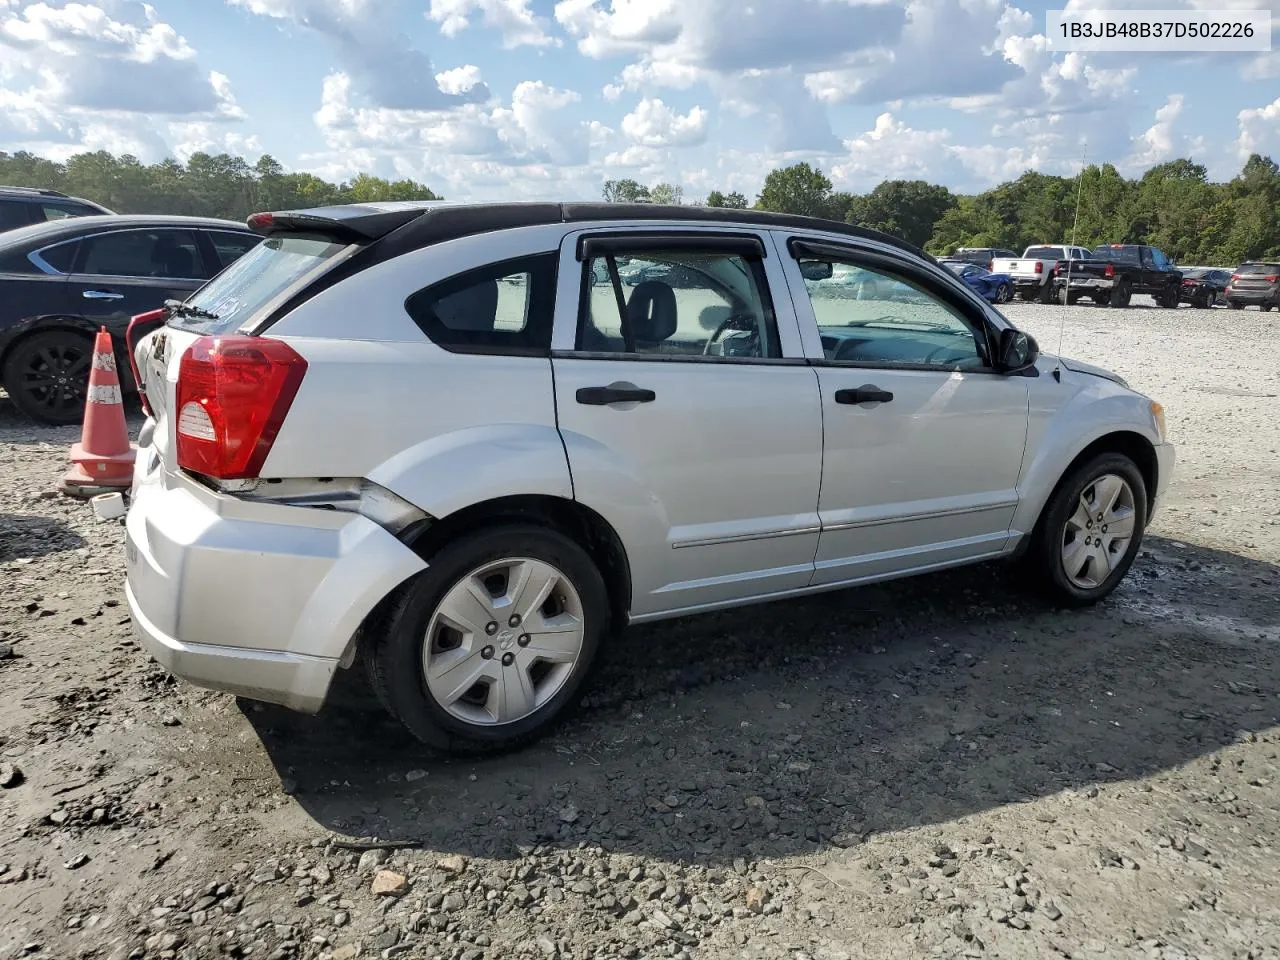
(735, 200)
(799, 189)
(904, 208)
(667, 194)
(625, 191)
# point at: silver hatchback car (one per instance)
(464, 444)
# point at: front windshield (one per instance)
(253, 281)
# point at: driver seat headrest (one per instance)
(651, 311)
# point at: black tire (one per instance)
(1121, 293)
(1045, 554)
(1102, 299)
(393, 656)
(1235, 305)
(1264, 307)
(47, 376)
(1207, 299)
(1004, 293)
(1047, 292)
(1169, 298)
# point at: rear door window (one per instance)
(60, 256)
(60, 211)
(13, 213)
(254, 280)
(160, 253)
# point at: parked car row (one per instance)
(64, 278)
(1111, 274)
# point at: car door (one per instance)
(923, 441)
(121, 273)
(690, 417)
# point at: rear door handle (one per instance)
(102, 295)
(603, 396)
(867, 393)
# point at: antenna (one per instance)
(1062, 317)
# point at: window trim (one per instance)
(801, 247)
(541, 302)
(78, 263)
(725, 243)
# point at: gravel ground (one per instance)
(937, 768)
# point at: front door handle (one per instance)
(603, 396)
(102, 295)
(867, 393)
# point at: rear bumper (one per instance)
(1086, 283)
(1267, 295)
(259, 600)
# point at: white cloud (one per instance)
(1259, 130)
(891, 150)
(380, 62)
(653, 124)
(460, 80)
(1160, 142)
(82, 76)
(517, 23)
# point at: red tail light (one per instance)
(1235, 277)
(232, 397)
(1039, 267)
(991, 266)
(1109, 271)
(1271, 279)
(139, 327)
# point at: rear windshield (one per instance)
(1127, 254)
(254, 280)
(1044, 253)
(1263, 268)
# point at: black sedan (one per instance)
(1203, 286)
(61, 281)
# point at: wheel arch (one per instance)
(569, 517)
(1129, 443)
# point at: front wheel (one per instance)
(490, 646)
(1091, 530)
(1004, 293)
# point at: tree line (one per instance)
(206, 185)
(1173, 205)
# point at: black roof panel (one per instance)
(408, 225)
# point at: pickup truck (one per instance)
(1116, 271)
(1033, 273)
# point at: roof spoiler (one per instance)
(354, 223)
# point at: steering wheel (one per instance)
(743, 322)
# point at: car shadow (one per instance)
(787, 727)
(28, 536)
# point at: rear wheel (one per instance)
(1004, 294)
(1169, 298)
(47, 376)
(1235, 305)
(1121, 294)
(1265, 307)
(490, 646)
(1091, 530)
(1046, 293)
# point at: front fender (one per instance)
(1059, 434)
(455, 470)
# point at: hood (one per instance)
(1079, 366)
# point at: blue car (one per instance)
(993, 287)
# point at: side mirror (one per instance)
(1018, 351)
(816, 270)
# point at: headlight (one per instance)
(1157, 415)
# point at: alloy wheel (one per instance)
(55, 378)
(1097, 535)
(503, 641)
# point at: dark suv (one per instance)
(22, 206)
(1255, 283)
(982, 256)
(59, 282)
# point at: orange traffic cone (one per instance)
(102, 461)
